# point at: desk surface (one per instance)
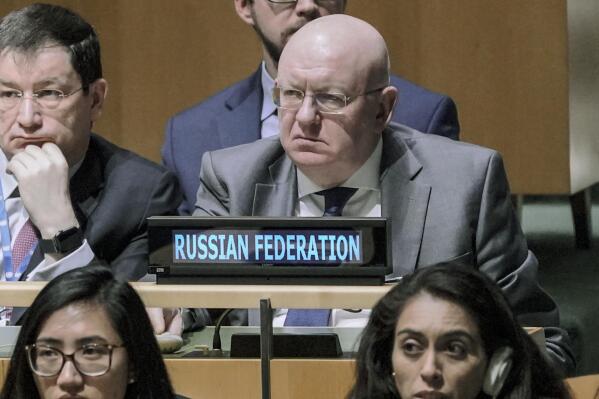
(22, 293)
(585, 387)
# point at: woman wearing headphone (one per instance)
(447, 332)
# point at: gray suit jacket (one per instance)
(447, 201)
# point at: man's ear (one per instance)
(244, 10)
(98, 91)
(389, 96)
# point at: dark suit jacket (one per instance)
(447, 200)
(113, 193)
(232, 117)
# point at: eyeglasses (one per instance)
(46, 98)
(328, 103)
(92, 360)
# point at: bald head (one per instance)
(348, 42)
(338, 68)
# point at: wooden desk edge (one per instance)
(22, 293)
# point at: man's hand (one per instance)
(167, 320)
(43, 178)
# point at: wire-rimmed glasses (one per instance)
(326, 102)
(46, 98)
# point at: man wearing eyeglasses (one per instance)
(67, 195)
(245, 112)
(446, 200)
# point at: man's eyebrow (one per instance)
(51, 80)
(44, 82)
(7, 82)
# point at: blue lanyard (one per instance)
(9, 275)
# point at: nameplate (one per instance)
(282, 246)
(269, 250)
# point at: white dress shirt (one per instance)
(268, 118)
(365, 202)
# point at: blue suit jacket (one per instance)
(232, 117)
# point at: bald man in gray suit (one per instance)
(447, 200)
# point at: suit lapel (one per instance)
(404, 201)
(87, 183)
(279, 197)
(241, 122)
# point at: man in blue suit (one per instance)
(243, 112)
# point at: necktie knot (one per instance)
(335, 199)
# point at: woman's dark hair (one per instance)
(37, 25)
(531, 375)
(93, 285)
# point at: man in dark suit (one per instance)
(446, 200)
(68, 196)
(243, 112)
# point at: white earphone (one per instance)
(498, 369)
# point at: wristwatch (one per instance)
(63, 242)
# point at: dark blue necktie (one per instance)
(334, 200)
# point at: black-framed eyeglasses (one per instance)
(46, 98)
(92, 360)
(329, 103)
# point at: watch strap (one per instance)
(63, 242)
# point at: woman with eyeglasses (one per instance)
(87, 335)
(447, 332)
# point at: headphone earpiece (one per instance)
(498, 369)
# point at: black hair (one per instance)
(38, 25)
(531, 375)
(94, 285)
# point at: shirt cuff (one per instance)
(78, 258)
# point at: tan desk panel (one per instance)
(240, 378)
(224, 296)
(19, 293)
(585, 387)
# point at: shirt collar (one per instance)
(268, 84)
(9, 183)
(367, 177)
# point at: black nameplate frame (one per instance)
(267, 250)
